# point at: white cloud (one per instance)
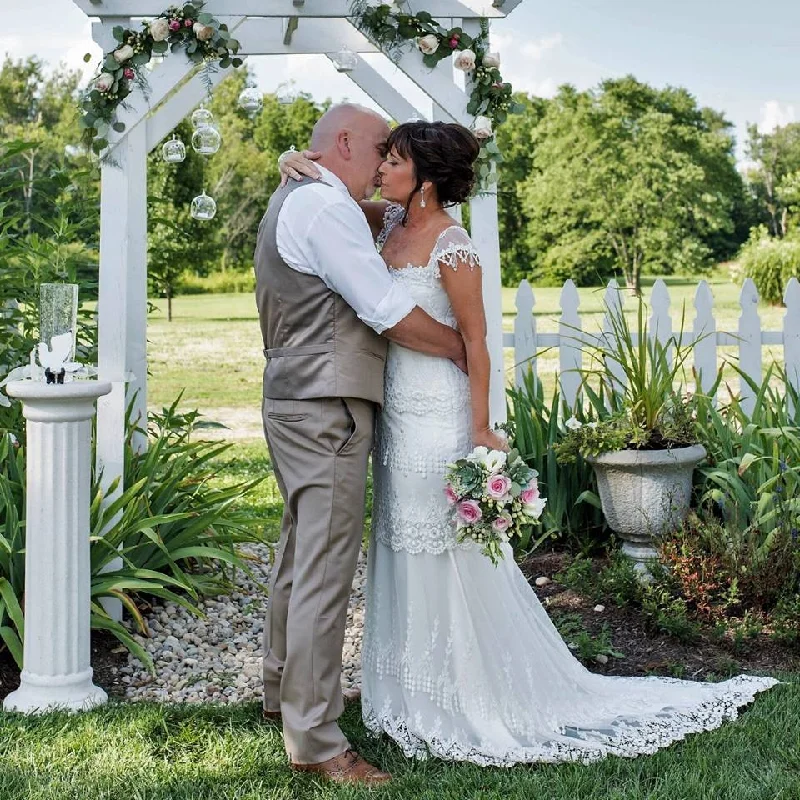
(538, 48)
(775, 115)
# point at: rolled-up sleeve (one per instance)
(341, 248)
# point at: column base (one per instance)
(38, 694)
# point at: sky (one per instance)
(737, 56)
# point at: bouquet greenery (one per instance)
(494, 496)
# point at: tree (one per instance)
(176, 242)
(777, 158)
(626, 178)
(515, 140)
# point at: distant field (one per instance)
(212, 349)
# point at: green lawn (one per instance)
(212, 348)
(149, 752)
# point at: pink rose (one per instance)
(454, 42)
(502, 524)
(498, 486)
(128, 73)
(469, 511)
(452, 497)
(530, 494)
(174, 25)
(187, 23)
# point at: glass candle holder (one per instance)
(58, 312)
(206, 140)
(203, 207)
(250, 100)
(173, 151)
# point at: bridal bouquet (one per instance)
(494, 496)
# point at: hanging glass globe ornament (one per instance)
(203, 207)
(202, 117)
(345, 60)
(250, 100)
(173, 151)
(206, 140)
(286, 94)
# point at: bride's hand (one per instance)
(489, 439)
(295, 165)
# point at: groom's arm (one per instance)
(419, 331)
(336, 242)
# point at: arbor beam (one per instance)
(370, 81)
(262, 37)
(279, 8)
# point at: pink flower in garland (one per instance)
(128, 73)
(174, 25)
(187, 23)
(454, 41)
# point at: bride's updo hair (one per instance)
(442, 153)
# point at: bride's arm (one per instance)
(464, 289)
(296, 165)
(374, 210)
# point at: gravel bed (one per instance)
(217, 658)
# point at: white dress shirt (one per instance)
(322, 231)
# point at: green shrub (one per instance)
(230, 282)
(175, 533)
(770, 262)
(573, 511)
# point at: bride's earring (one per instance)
(422, 202)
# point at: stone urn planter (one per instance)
(645, 493)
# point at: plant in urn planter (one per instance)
(638, 432)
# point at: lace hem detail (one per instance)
(643, 736)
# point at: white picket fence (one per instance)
(701, 330)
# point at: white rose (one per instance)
(202, 32)
(159, 29)
(428, 44)
(592, 425)
(104, 81)
(573, 424)
(123, 53)
(478, 454)
(465, 60)
(535, 508)
(495, 460)
(491, 60)
(482, 128)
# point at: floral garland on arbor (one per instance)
(491, 99)
(187, 27)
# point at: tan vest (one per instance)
(315, 344)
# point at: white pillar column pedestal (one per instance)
(56, 673)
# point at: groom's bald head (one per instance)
(351, 138)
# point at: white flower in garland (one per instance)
(123, 53)
(203, 32)
(491, 60)
(428, 44)
(573, 424)
(482, 127)
(159, 29)
(104, 81)
(465, 60)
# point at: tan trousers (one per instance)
(319, 451)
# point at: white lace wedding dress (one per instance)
(460, 660)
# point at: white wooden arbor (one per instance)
(264, 27)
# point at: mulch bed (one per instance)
(659, 654)
(644, 653)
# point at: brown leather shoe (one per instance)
(348, 767)
(271, 715)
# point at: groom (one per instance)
(325, 301)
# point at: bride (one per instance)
(460, 659)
